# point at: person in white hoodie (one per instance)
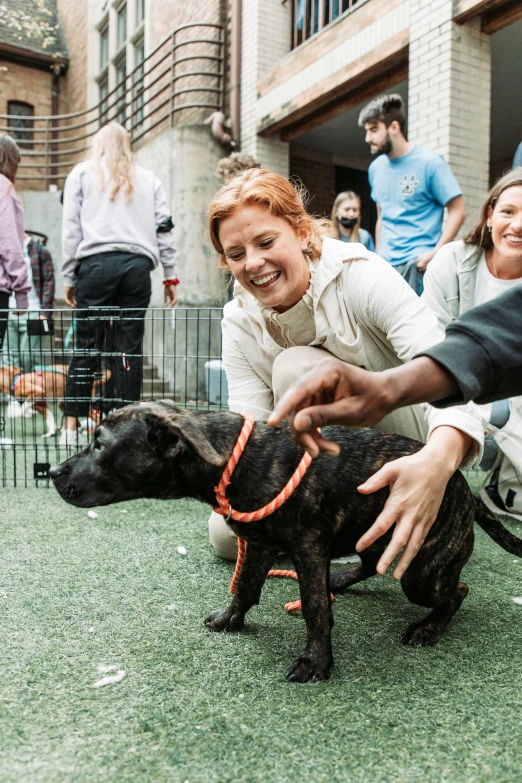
(116, 228)
(466, 274)
(300, 296)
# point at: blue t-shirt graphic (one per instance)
(411, 192)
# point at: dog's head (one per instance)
(135, 453)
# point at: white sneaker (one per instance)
(14, 410)
(87, 424)
(71, 438)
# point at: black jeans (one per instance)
(120, 284)
(4, 304)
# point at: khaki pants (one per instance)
(288, 367)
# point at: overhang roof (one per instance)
(29, 31)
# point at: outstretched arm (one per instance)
(334, 392)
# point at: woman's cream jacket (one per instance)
(365, 314)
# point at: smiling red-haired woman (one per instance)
(301, 295)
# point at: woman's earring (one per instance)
(489, 226)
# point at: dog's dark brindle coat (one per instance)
(158, 450)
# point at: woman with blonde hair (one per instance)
(116, 228)
(346, 220)
(301, 295)
(471, 272)
(13, 270)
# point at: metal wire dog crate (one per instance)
(87, 363)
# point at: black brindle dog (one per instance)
(158, 450)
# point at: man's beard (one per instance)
(385, 148)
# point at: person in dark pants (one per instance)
(116, 229)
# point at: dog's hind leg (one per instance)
(316, 661)
(343, 578)
(256, 565)
(433, 577)
(428, 631)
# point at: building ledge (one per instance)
(332, 63)
(18, 54)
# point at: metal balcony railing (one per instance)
(312, 16)
(181, 77)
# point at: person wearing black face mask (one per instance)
(346, 220)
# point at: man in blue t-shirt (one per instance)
(411, 186)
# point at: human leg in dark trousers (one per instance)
(133, 297)
(4, 314)
(105, 281)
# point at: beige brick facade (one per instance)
(318, 177)
(33, 86)
(441, 51)
(263, 45)
(73, 21)
(449, 93)
(23, 83)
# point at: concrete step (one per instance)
(155, 387)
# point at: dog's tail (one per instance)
(492, 525)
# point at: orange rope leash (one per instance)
(225, 509)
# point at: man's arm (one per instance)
(334, 392)
(483, 351)
(480, 360)
(455, 216)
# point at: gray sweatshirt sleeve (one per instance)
(168, 255)
(71, 225)
(483, 351)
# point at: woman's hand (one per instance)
(68, 295)
(170, 295)
(417, 484)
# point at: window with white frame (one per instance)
(140, 12)
(121, 88)
(104, 46)
(103, 92)
(138, 86)
(103, 74)
(121, 26)
(120, 63)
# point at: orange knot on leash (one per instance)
(225, 509)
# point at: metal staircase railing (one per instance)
(184, 73)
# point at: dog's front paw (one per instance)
(225, 621)
(307, 669)
(417, 635)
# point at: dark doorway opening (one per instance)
(357, 180)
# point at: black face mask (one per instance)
(347, 222)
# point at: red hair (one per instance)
(264, 188)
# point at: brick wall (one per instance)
(319, 179)
(164, 15)
(449, 94)
(29, 85)
(72, 18)
(266, 28)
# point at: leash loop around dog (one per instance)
(225, 509)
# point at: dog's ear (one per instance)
(172, 434)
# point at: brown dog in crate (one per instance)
(44, 383)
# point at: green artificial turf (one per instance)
(196, 706)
